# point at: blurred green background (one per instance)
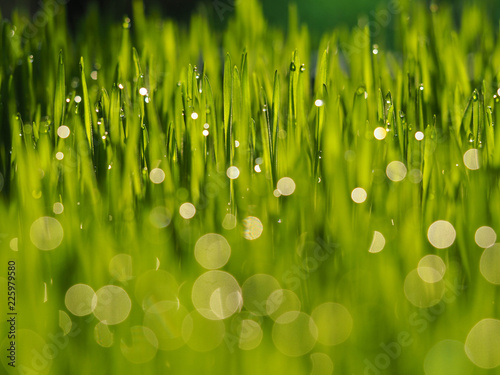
(319, 15)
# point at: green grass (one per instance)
(136, 97)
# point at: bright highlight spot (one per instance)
(319, 103)
(233, 172)
(80, 300)
(229, 222)
(212, 251)
(253, 227)
(216, 295)
(485, 237)
(471, 159)
(58, 208)
(379, 133)
(489, 264)
(482, 345)
(431, 268)
(113, 305)
(187, 210)
(441, 234)
(194, 115)
(63, 131)
(396, 171)
(46, 233)
(160, 217)
(358, 195)
(286, 186)
(157, 176)
(143, 91)
(419, 136)
(378, 243)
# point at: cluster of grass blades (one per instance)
(179, 199)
